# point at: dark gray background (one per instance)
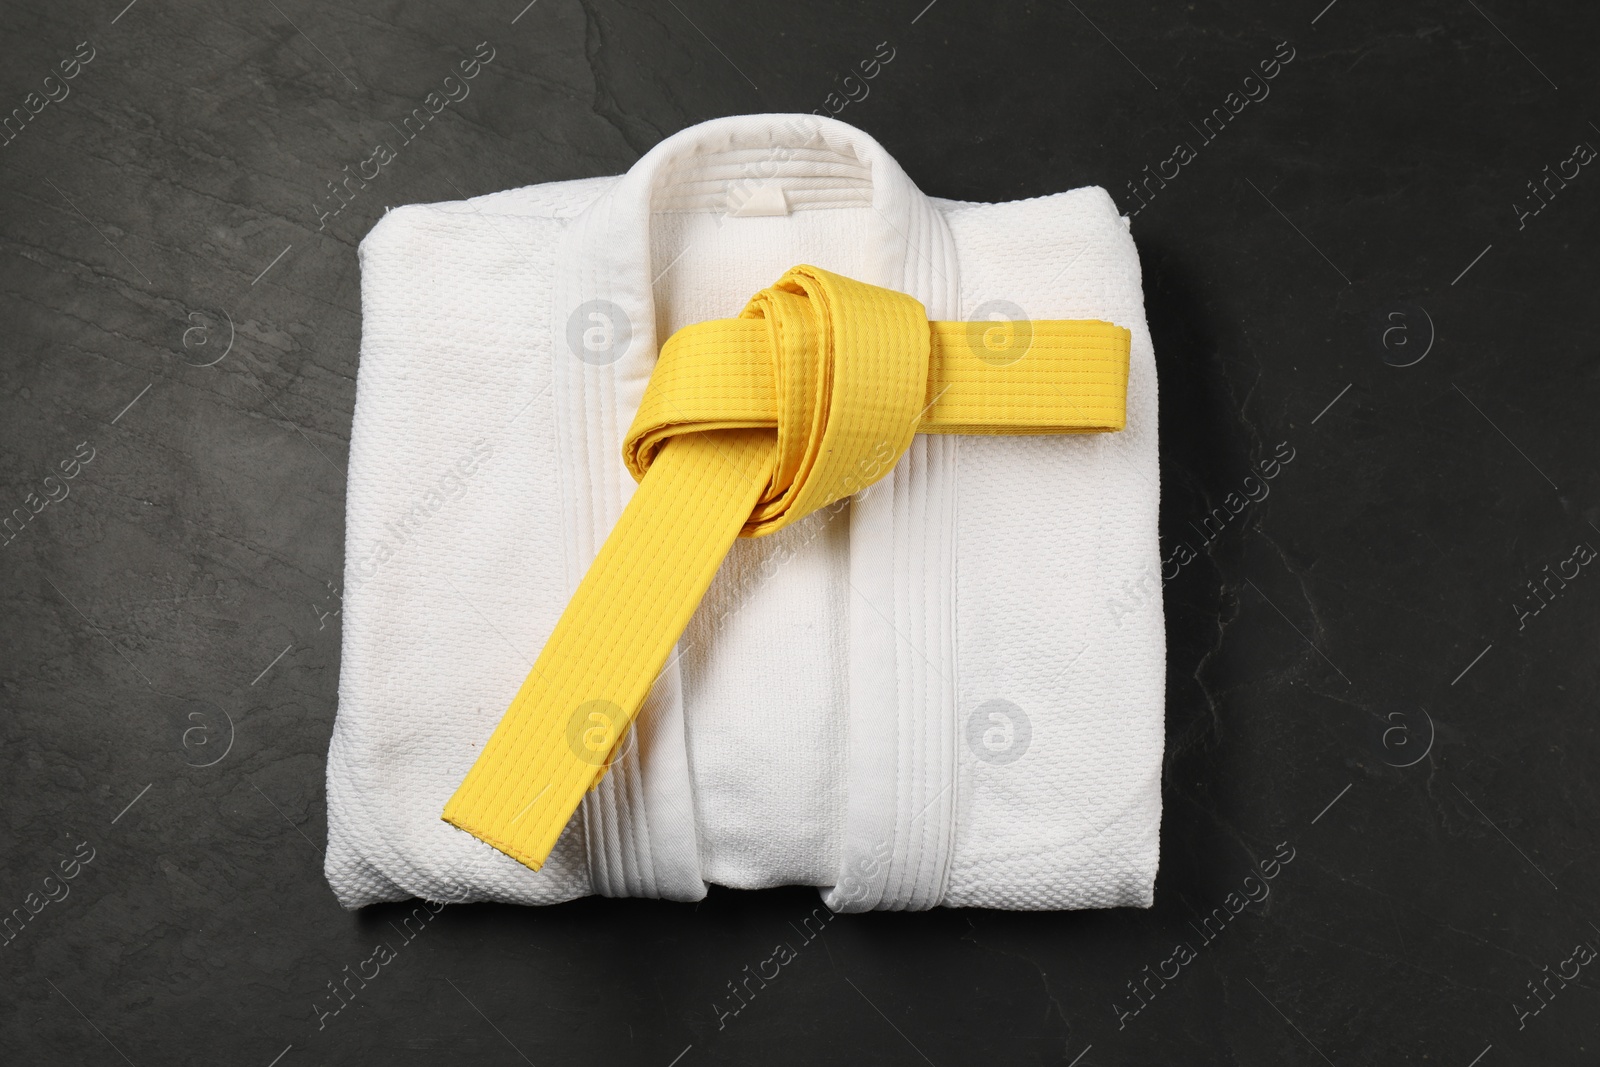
(176, 605)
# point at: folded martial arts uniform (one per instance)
(946, 689)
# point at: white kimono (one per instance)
(947, 691)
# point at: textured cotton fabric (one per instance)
(947, 691)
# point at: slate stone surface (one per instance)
(1375, 269)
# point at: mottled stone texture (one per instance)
(167, 636)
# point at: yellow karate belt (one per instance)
(749, 424)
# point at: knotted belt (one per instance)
(749, 424)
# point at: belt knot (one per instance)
(836, 369)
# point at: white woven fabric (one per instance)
(948, 691)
